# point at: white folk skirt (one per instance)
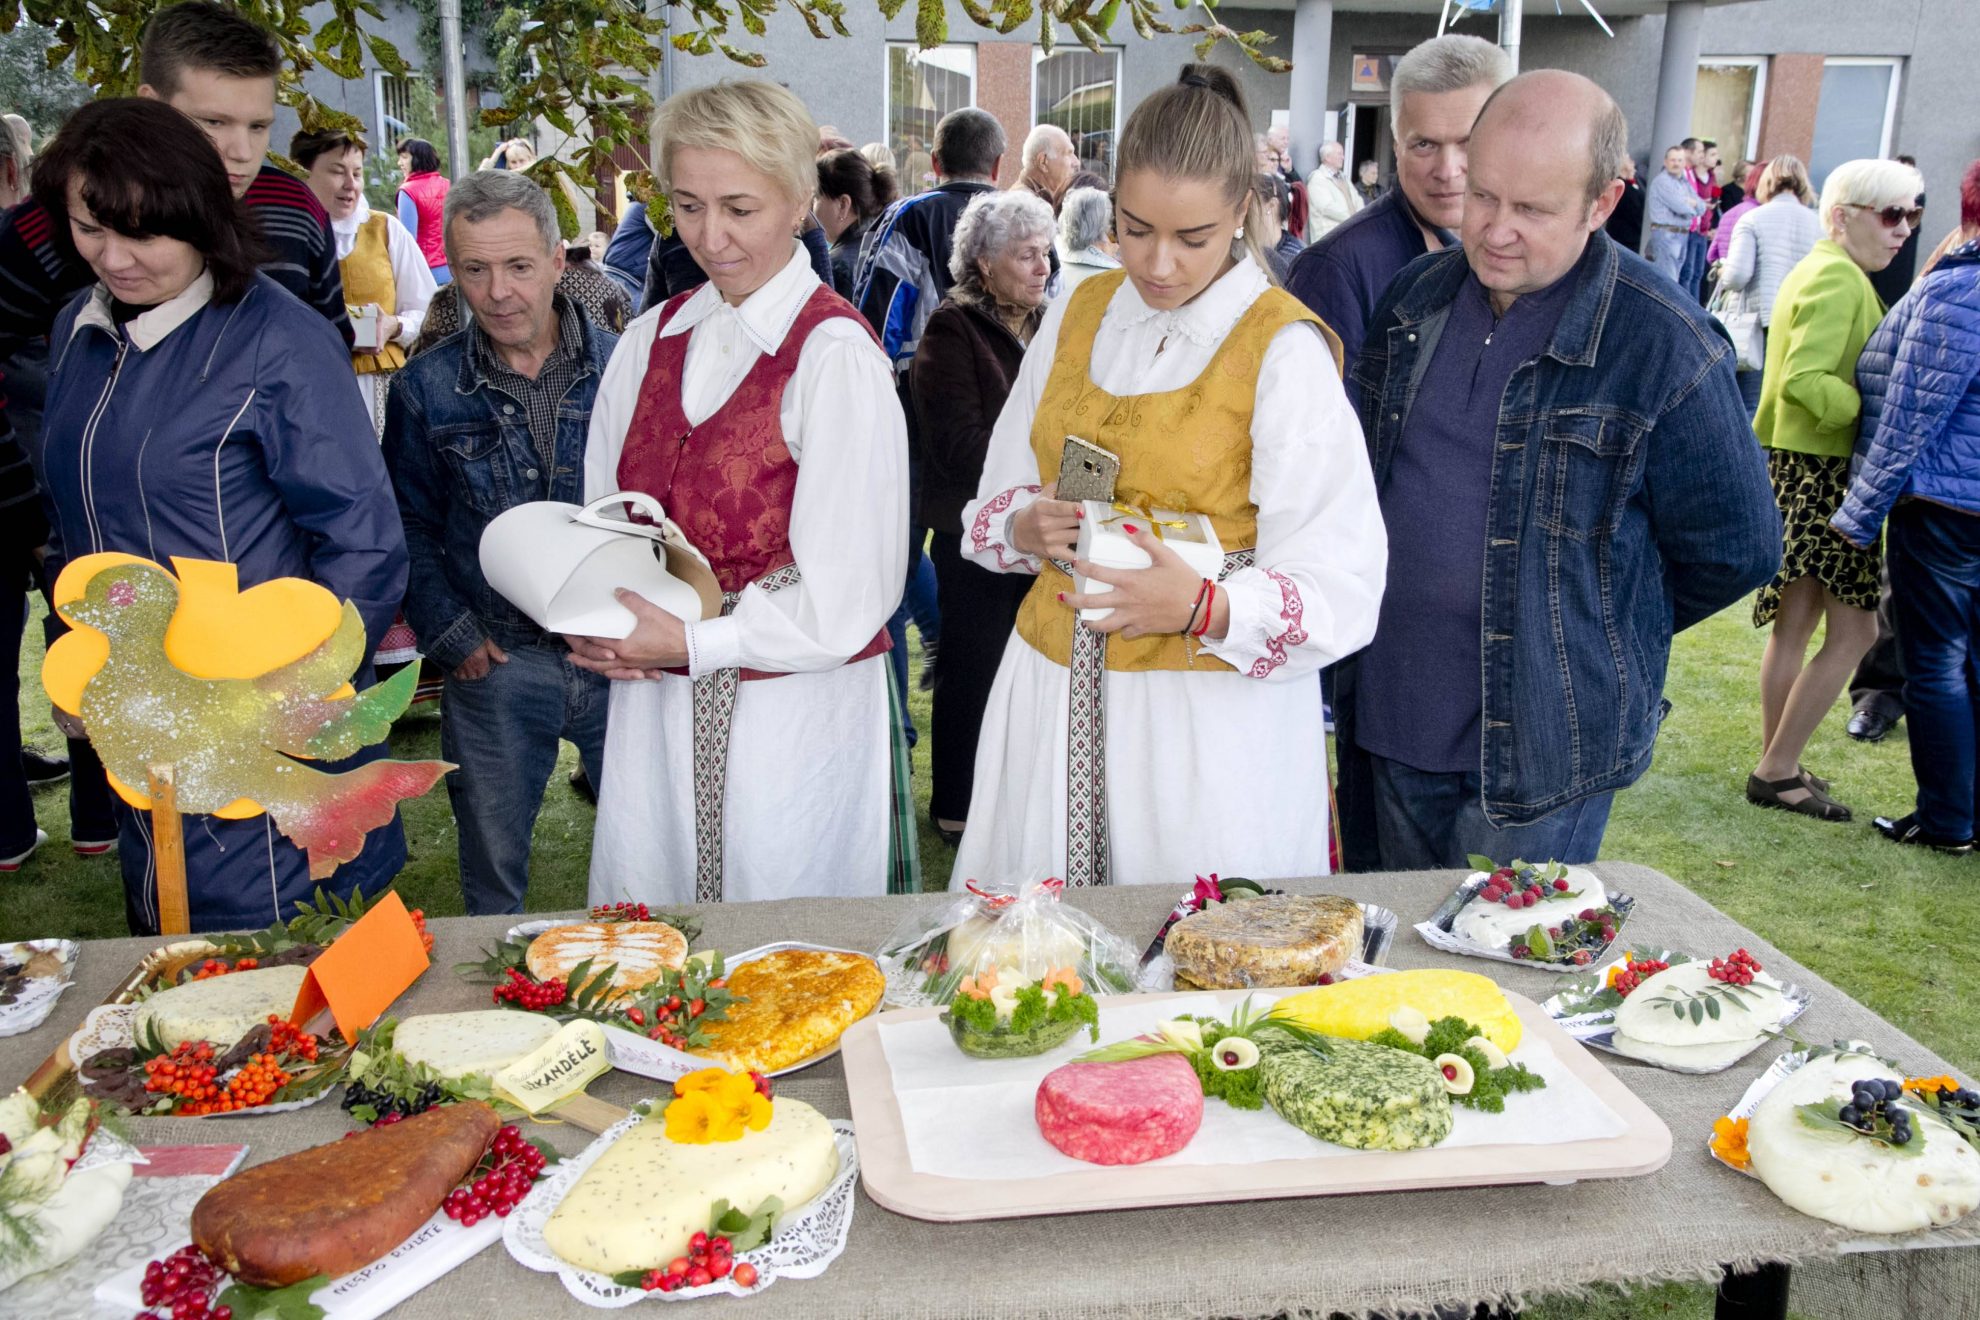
(1206, 771)
(806, 806)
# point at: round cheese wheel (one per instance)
(1496, 926)
(638, 951)
(1750, 1012)
(1859, 1184)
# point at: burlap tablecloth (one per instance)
(1320, 1255)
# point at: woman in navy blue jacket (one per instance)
(196, 408)
(1918, 480)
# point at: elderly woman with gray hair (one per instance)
(969, 355)
(1086, 246)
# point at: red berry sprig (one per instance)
(1738, 969)
(525, 993)
(293, 1041)
(499, 1182)
(1505, 886)
(708, 1259)
(1635, 972)
(620, 912)
(213, 967)
(182, 1287)
(418, 916)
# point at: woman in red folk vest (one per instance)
(752, 756)
(422, 199)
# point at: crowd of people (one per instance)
(1470, 461)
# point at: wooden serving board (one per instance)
(890, 1177)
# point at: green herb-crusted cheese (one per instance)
(1360, 1095)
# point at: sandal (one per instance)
(1819, 805)
(1811, 779)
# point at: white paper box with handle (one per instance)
(1103, 540)
(560, 564)
(366, 321)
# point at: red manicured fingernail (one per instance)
(1079, 512)
(1128, 528)
(1062, 598)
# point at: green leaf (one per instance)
(931, 23)
(1480, 862)
(1697, 1012)
(290, 1303)
(1712, 1009)
(1821, 1118)
(745, 1231)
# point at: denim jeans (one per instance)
(17, 828)
(1432, 820)
(1692, 281)
(1666, 253)
(502, 731)
(1934, 556)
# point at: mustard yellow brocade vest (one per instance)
(367, 274)
(1187, 449)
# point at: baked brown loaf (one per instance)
(1275, 939)
(336, 1208)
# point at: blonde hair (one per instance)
(1875, 184)
(1785, 173)
(761, 122)
(1198, 128)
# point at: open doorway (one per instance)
(1371, 140)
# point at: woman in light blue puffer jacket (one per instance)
(1918, 470)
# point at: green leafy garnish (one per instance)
(1236, 1087)
(1822, 1118)
(376, 1064)
(744, 1230)
(290, 1303)
(1032, 1011)
(1489, 1086)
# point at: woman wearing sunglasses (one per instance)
(1807, 419)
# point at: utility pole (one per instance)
(454, 74)
(1510, 14)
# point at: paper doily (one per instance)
(38, 995)
(114, 1027)
(806, 1242)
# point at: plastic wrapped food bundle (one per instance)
(1023, 931)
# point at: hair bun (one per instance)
(1213, 78)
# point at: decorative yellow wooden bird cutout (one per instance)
(230, 692)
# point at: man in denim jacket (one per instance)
(1568, 479)
(495, 416)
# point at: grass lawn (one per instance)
(1889, 925)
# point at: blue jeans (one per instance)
(1428, 820)
(1695, 265)
(1934, 555)
(502, 731)
(1667, 248)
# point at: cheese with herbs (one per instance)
(646, 1196)
(1369, 1097)
(1658, 1014)
(457, 1045)
(221, 1009)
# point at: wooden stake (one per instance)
(168, 853)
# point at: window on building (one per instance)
(396, 109)
(1726, 106)
(1075, 88)
(1856, 113)
(922, 86)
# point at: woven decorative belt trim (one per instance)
(714, 718)
(1088, 855)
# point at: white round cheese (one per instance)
(646, 1196)
(220, 1009)
(1859, 1184)
(1650, 1015)
(1496, 926)
(485, 1041)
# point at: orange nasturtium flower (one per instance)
(698, 1118)
(1929, 1086)
(704, 1079)
(1729, 1141)
(739, 1103)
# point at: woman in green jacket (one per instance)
(1807, 419)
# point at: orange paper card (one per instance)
(369, 966)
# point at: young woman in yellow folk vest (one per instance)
(379, 260)
(1182, 732)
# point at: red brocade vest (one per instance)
(728, 481)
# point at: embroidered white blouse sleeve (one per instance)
(612, 407)
(1010, 480)
(1323, 552)
(843, 422)
(412, 278)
